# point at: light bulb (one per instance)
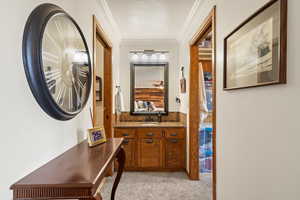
(80, 57)
(163, 57)
(134, 57)
(144, 57)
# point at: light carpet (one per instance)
(158, 186)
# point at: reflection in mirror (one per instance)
(99, 84)
(65, 63)
(149, 88)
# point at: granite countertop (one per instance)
(148, 124)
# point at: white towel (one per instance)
(119, 102)
(202, 92)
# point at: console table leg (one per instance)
(121, 163)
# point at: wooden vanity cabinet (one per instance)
(175, 153)
(157, 149)
(129, 145)
(150, 153)
(175, 148)
(130, 152)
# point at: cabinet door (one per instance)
(130, 149)
(175, 153)
(150, 153)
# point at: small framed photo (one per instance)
(256, 51)
(96, 136)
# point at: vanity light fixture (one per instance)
(154, 57)
(163, 57)
(134, 57)
(80, 57)
(146, 56)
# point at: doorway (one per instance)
(202, 105)
(102, 80)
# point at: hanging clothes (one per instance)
(205, 128)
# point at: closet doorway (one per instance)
(102, 80)
(202, 105)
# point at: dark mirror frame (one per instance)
(165, 65)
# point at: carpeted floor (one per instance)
(158, 186)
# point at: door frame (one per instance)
(194, 106)
(99, 35)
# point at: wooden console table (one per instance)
(76, 174)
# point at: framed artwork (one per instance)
(182, 82)
(255, 52)
(96, 136)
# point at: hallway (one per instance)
(176, 88)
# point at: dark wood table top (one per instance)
(81, 167)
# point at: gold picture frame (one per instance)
(96, 136)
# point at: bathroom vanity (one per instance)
(155, 137)
(153, 146)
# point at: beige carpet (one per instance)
(158, 186)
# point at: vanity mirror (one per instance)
(149, 88)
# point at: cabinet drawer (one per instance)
(124, 132)
(175, 133)
(149, 133)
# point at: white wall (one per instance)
(257, 129)
(157, 44)
(30, 138)
(200, 13)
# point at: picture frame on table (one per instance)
(255, 53)
(96, 136)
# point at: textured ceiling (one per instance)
(147, 19)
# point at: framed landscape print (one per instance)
(255, 52)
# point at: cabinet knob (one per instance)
(125, 134)
(149, 141)
(173, 134)
(150, 134)
(174, 140)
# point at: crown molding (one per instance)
(148, 42)
(110, 18)
(189, 18)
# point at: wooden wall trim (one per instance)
(194, 107)
(99, 35)
(208, 21)
(98, 28)
(194, 114)
(214, 114)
